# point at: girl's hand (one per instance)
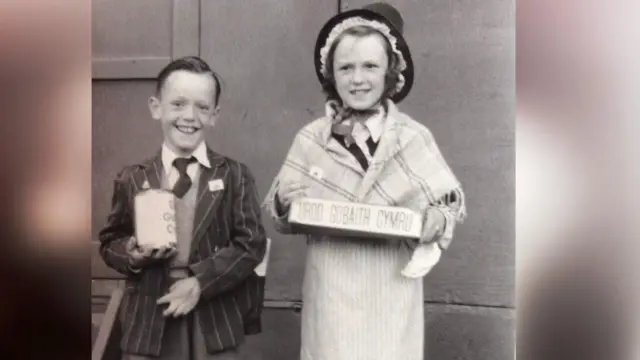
(434, 225)
(288, 192)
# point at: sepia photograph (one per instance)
(320, 179)
(303, 179)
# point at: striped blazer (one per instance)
(229, 241)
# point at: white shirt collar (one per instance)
(374, 125)
(200, 153)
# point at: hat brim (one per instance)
(369, 15)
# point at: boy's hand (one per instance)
(289, 192)
(183, 296)
(142, 256)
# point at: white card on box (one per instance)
(155, 218)
(326, 217)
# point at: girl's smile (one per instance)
(360, 65)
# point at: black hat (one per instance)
(384, 18)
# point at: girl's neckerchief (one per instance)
(343, 118)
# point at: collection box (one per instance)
(155, 218)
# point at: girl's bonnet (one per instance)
(382, 17)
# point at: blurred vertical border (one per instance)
(45, 107)
(577, 253)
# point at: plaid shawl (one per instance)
(407, 170)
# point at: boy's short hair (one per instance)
(192, 64)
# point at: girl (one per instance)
(361, 299)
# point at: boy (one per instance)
(198, 299)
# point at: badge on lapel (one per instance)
(316, 172)
(216, 185)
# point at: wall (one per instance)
(464, 92)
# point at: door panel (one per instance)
(264, 53)
(135, 39)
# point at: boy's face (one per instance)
(359, 66)
(185, 108)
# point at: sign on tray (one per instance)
(326, 217)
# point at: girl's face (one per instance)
(359, 67)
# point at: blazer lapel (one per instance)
(150, 174)
(149, 177)
(153, 173)
(206, 199)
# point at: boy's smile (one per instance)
(185, 107)
(187, 129)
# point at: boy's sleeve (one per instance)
(119, 228)
(234, 263)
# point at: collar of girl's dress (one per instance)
(344, 118)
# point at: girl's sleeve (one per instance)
(452, 203)
(290, 171)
